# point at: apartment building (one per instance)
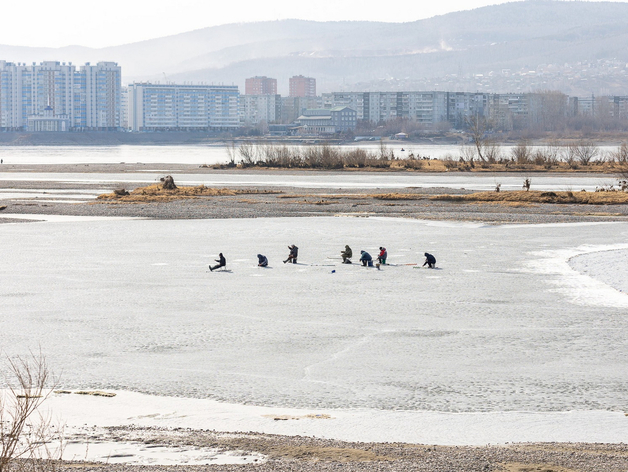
(293, 107)
(174, 107)
(55, 92)
(300, 86)
(260, 86)
(255, 109)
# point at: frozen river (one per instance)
(504, 325)
(196, 154)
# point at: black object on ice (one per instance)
(294, 253)
(430, 261)
(222, 262)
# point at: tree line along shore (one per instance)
(480, 156)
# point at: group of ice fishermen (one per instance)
(365, 258)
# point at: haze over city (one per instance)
(69, 22)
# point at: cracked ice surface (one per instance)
(503, 325)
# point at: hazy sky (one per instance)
(112, 22)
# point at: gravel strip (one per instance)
(296, 453)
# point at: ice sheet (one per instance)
(130, 305)
(358, 424)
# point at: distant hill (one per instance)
(338, 54)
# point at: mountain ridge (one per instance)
(510, 35)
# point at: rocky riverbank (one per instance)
(297, 453)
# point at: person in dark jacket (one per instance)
(430, 261)
(294, 253)
(262, 261)
(347, 254)
(222, 262)
(383, 255)
(366, 259)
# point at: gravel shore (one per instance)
(296, 453)
(286, 202)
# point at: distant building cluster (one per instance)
(54, 96)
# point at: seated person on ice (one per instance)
(294, 253)
(347, 254)
(222, 262)
(430, 261)
(366, 259)
(383, 255)
(262, 261)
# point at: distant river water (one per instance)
(187, 154)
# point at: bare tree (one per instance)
(478, 127)
(24, 430)
(621, 157)
(232, 152)
(521, 153)
(621, 154)
(585, 152)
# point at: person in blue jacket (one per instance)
(366, 259)
(430, 261)
(262, 261)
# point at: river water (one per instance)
(191, 154)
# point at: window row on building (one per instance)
(54, 96)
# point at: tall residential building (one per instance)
(157, 107)
(255, 109)
(302, 86)
(54, 96)
(260, 86)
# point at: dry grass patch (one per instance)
(520, 196)
(156, 193)
(396, 196)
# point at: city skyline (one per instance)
(158, 19)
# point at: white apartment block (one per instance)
(157, 107)
(255, 109)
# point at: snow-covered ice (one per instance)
(505, 341)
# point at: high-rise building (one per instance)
(54, 96)
(255, 109)
(301, 86)
(157, 107)
(260, 86)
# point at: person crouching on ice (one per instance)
(222, 262)
(347, 254)
(430, 261)
(262, 261)
(383, 255)
(294, 253)
(366, 259)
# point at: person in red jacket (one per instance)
(383, 255)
